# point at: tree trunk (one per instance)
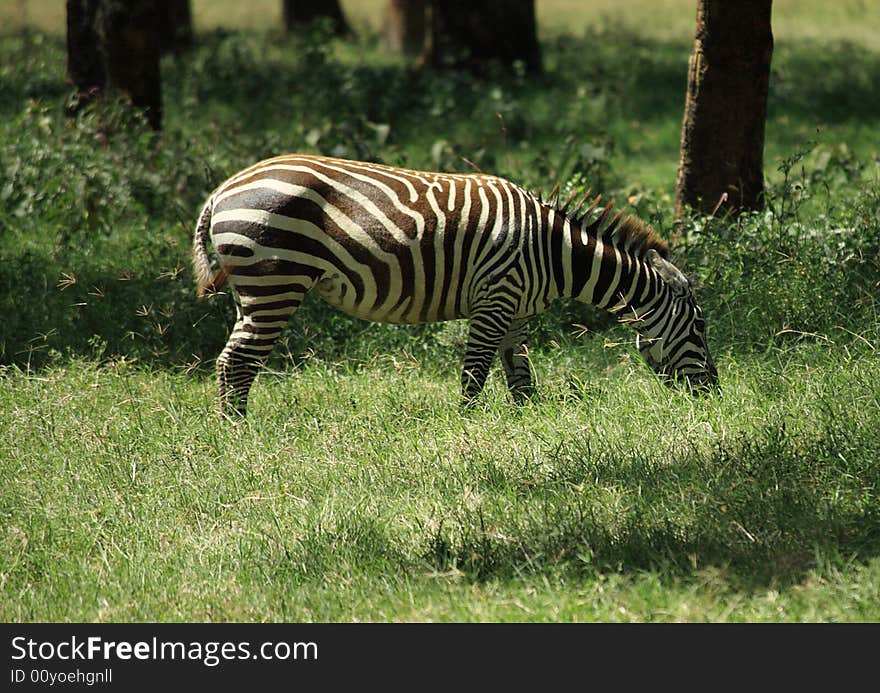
(131, 43)
(722, 138)
(85, 69)
(404, 29)
(175, 25)
(474, 34)
(298, 13)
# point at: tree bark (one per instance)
(131, 54)
(722, 138)
(85, 69)
(404, 29)
(475, 34)
(299, 13)
(175, 25)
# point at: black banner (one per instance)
(305, 656)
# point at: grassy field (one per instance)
(843, 20)
(368, 496)
(357, 490)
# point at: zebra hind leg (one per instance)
(236, 370)
(258, 327)
(515, 360)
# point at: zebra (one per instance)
(395, 245)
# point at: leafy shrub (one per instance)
(805, 267)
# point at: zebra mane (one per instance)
(627, 232)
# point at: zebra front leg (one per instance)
(484, 337)
(515, 359)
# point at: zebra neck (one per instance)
(604, 273)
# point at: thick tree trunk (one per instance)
(404, 29)
(131, 43)
(85, 69)
(298, 13)
(175, 25)
(722, 138)
(477, 33)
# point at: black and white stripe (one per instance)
(400, 246)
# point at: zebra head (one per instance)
(673, 339)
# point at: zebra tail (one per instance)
(205, 282)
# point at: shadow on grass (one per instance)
(52, 316)
(830, 83)
(765, 509)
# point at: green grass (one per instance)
(366, 495)
(357, 489)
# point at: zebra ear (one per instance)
(669, 273)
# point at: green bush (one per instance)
(806, 267)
